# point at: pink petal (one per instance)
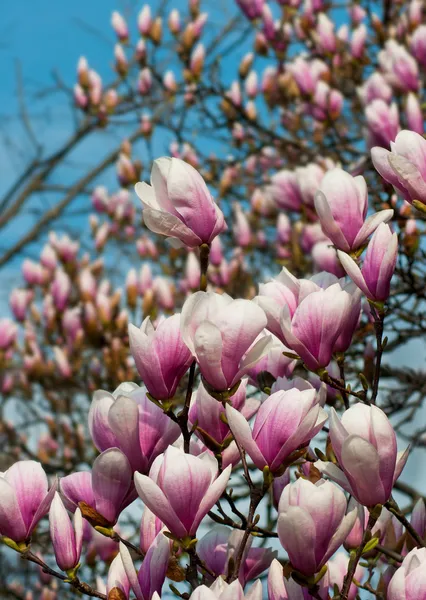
(154, 498)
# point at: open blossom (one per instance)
(152, 573)
(405, 166)
(312, 523)
(409, 581)
(375, 276)
(108, 489)
(219, 332)
(341, 204)
(286, 421)
(181, 489)
(364, 443)
(160, 355)
(316, 325)
(25, 498)
(220, 590)
(178, 203)
(128, 420)
(67, 537)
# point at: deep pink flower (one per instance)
(374, 278)
(160, 354)
(341, 204)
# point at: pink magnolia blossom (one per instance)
(316, 325)
(8, 333)
(20, 300)
(220, 590)
(128, 420)
(365, 446)
(405, 166)
(117, 577)
(25, 498)
(379, 264)
(206, 412)
(286, 421)
(375, 87)
(160, 355)
(285, 190)
(337, 568)
(399, 67)
(150, 528)
(67, 537)
(312, 523)
(280, 588)
(219, 332)
(120, 26)
(150, 578)
(274, 362)
(409, 581)
(179, 203)
(325, 258)
(145, 20)
(219, 545)
(341, 204)
(108, 488)
(382, 123)
(418, 44)
(181, 489)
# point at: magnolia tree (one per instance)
(222, 420)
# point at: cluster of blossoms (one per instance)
(179, 460)
(242, 421)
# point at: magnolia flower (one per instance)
(374, 278)
(25, 498)
(150, 577)
(409, 581)
(219, 332)
(181, 489)
(67, 537)
(160, 354)
(178, 203)
(128, 420)
(405, 166)
(312, 523)
(341, 204)
(286, 421)
(108, 489)
(364, 443)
